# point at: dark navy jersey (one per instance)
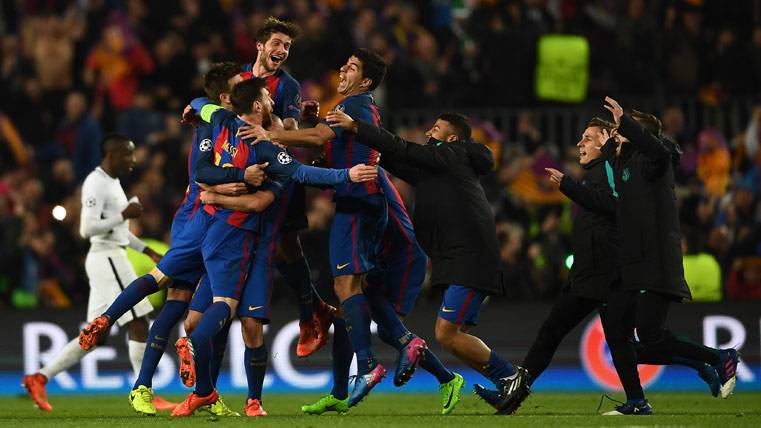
(201, 145)
(285, 92)
(344, 151)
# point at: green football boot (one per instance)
(220, 409)
(450, 393)
(327, 403)
(141, 400)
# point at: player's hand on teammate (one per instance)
(615, 108)
(253, 132)
(156, 257)
(255, 175)
(189, 116)
(339, 119)
(362, 172)
(133, 210)
(208, 198)
(555, 175)
(227, 189)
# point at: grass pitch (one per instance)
(398, 410)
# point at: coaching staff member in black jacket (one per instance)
(650, 259)
(454, 224)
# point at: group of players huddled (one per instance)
(245, 205)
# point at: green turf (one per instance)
(387, 410)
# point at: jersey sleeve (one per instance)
(91, 222)
(291, 100)
(282, 167)
(356, 109)
(206, 171)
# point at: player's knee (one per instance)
(179, 294)
(445, 332)
(161, 279)
(252, 330)
(347, 286)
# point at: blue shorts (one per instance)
(187, 210)
(461, 305)
(404, 265)
(257, 292)
(184, 261)
(227, 254)
(357, 229)
(202, 297)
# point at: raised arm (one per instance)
(400, 170)
(642, 140)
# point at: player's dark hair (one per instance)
(649, 121)
(600, 123)
(460, 123)
(373, 66)
(113, 141)
(216, 80)
(245, 93)
(273, 25)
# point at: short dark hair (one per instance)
(460, 123)
(600, 123)
(245, 93)
(373, 66)
(112, 141)
(273, 25)
(649, 121)
(216, 81)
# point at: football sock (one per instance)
(68, 357)
(342, 355)
(256, 366)
(497, 368)
(389, 324)
(136, 291)
(158, 336)
(218, 345)
(357, 316)
(211, 323)
(431, 363)
(136, 350)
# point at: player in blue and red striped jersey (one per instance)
(182, 267)
(360, 217)
(273, 43)
(392, 290)
(234, 234)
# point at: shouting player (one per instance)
(273, 43)
(360, 217)
(233, 236)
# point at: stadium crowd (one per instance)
(71, 71)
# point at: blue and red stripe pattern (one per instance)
(344, 151)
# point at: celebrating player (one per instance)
(232, 237)
(455, 226)
(273, 43)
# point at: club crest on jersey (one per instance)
(340, 107)
(90, 202)
(284, 158)
(205, 145)
(626, 175)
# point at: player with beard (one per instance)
(273, 43)
(233, 238)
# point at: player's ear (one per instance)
(224, 97)
(366, 83)
(259, 46)
(452, 138)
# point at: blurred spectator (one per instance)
(744, 281)
(713, 162)
(79, 135)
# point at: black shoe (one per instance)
(513, 391)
